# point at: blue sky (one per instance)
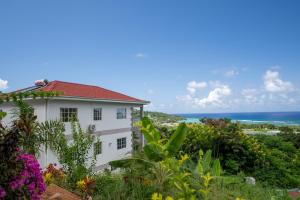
(183, 56)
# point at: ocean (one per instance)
(277, 118)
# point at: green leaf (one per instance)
(216, 169)
(199, 168)
(151, 134)
(154, 151)
(176, 140)
(2, 115)
(206, 160)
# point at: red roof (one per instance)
(86, 91)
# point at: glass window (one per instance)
(97, 148)
(67, 114)
(121, 143)
(97, 114)
(121, 113)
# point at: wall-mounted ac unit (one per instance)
(92, 128)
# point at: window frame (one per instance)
(97, 149)
(121, 143)
(124, 115)
(98, 118)
(67, 112)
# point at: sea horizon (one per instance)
(276, 118)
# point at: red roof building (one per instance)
(84, 92)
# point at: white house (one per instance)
(106, 112)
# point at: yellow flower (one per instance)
(183, 158)
(207, 178)
(156, 196)
(169, 198)
(240, 198)
(81, 185)
(48, 178)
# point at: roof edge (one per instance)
(91, 100)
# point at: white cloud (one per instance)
(273, 83)
(215, 96)
(192, 86)
(231, 73)
(215, 83)
(271, 92)
(250, 95)
(3, 84)
(140, 55)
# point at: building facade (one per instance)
(103, 113)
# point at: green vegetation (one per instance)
(184, 162)
(281, 166)
(271, 159)
(159, 117)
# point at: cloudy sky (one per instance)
(183, 56)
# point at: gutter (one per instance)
(139, 103)
(99, 100)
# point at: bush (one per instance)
(236, 150)
(290, 134)
(281, 167)
(21, 174)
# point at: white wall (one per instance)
(51, 111)
(85, 114)
(39, 110)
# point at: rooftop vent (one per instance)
(41, 82)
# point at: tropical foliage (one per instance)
(281, 166)
(21, 175)
(273, 160)
(237, 151)
(175, 163)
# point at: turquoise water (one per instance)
(277, 118)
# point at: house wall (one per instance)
(39, 110)
(108, 130)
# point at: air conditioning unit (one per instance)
(92, 128)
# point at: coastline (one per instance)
(275, 118)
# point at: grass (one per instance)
(231, 187)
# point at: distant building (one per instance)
(107, 114)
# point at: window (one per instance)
(121, 113)
(121, 143)
(97, 114)
(67, 114)
(97, 148)
(1, 111)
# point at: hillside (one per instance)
(159, 116)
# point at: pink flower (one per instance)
(2, 193)
(30, 180)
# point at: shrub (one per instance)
(53, 175)
(282, 164)
(167, 175)
(29, 182)
(21, 174)
(290, 134)
(236, 150)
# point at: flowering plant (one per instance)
(52, 173)
(86, 185)
(29, 183)
(21, 174)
